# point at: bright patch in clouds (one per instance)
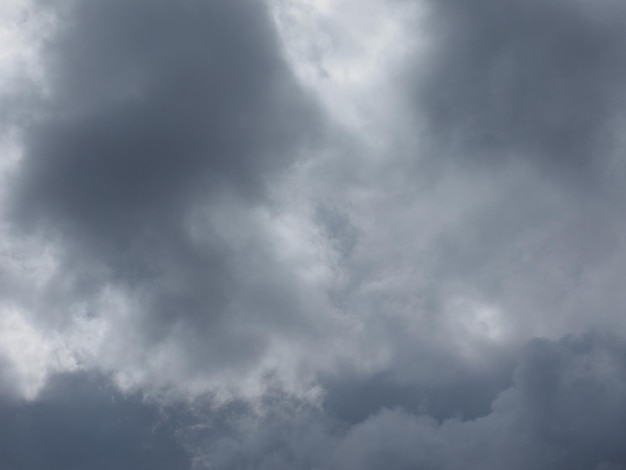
(345, 51)
(31, 355)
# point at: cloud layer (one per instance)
(83, 421)
(565, 409)
(293, 234)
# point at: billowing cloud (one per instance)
(149, 162)
(565, 409)
(296, 234)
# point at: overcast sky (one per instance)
(313, 234)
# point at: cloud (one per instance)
(83, 421)
(319, 235)
(565, 409)
(491, 216)
(149, 165)
(538, 80)
(158, 95)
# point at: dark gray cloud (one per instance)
(158, 116)
(565, 410)
(541, 80)
(149, 103)
(352, 398)
(83, 421)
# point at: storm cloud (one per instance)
(83, 421)
(291, 234)
(540, 80)
(564, 409)
(159, 119)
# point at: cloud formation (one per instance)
(149, 162)
(565, 409)
(537, 80)
(82, 421)
(293, 234)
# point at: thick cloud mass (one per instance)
(565, 409)
(542, 80)
(160, 117)
(149, 103)
(285, 234)
(82, 421)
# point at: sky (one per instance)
(312, 234)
